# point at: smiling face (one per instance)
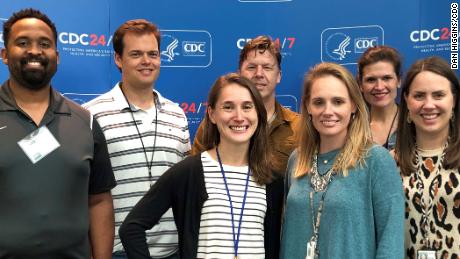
(430, 103)
(234, 115)
(140, 60)
(31, 54)
(379, 84)
(330, 108)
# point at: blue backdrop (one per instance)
(202, 39)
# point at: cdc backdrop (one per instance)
(201, 39)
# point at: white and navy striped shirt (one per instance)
(128, 159)
(215, 238)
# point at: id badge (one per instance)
(38, 144)
(311, 250)
(426, 254)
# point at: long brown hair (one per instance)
(358, 136)
(405, 139)
(258, 159)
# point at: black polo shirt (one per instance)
(44, 206)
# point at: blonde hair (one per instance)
(358, 139)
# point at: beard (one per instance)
(33, 78)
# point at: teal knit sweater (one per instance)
(363, 215)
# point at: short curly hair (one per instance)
(24, 14)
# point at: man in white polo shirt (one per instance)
(146, 133)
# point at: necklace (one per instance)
(427, 205)
(319, 183)
(387, 144)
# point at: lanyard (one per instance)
(386, 144)
(316, 222)
(318, 184)
(236, 239)
(149, 164)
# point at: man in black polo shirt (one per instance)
(55, 173)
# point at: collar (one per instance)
(282, 114)
(8, 103)
(121, 103)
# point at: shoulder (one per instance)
(289, 115)
(189, 167)
(276, 188)
(377, 153)
(190, 162)
(277, 184)
(293, 156)
(101, 103)
(291, 118)
(74, 109)
(170, 107)
(291, 165)
(379, 161)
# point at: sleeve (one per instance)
(146, 214)
(101, 176)
(198, 146)
(388, 203)
(272, 222)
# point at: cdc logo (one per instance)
(186, 48)
(426, 35)
(194, 48)
(361, 44)
(344, 45)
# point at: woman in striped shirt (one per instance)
(225, 201)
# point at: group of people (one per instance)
(354, 175)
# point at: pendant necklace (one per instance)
(427, 204)
(318, 182)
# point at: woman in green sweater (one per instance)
(344, 195)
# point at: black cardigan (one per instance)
(182, 187)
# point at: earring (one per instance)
(409, 120)
(452, 117)
(309, 117)
(353, 115)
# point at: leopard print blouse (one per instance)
(442, 187)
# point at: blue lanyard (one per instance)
(236, 239)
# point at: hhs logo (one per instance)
(186, 48)
(345, 45)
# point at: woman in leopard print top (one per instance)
(427, 150)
